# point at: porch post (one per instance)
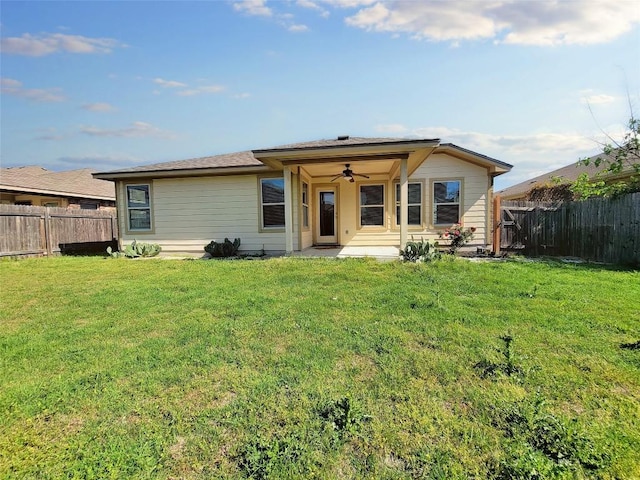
(288, 211)
(404, 202)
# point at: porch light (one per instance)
(348, 178)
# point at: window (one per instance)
(88, 205)
(305, 205)
(446, 202)
(415, 204)
(372, 205)
(139, 207)
(272, 198)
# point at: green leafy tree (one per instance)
(618, 157)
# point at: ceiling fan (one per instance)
(348, 174)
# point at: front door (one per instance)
(326, 215)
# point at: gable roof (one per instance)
(252, 160)
(567, 174)
(345, 141)
(72, 183)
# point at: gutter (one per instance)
(183, 172)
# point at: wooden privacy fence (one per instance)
(599, 229)
(27, 230)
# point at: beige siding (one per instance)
(437, 167)
(190, 212)
(306, 235)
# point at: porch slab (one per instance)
(381, 253)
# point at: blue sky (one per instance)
(115, 84)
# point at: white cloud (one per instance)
(253, 7)
(298, 28)
(136, 130)
(51, 134)
(48, 43)
(313, 6)
(98, 107)
(530, 154)
(200, 90)
(348, 3)
(10, 83)
(169, 83)
(597, 99)
(242, 96)
(543, 22)
(12, 87)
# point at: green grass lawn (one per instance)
(299, 368)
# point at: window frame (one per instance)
(128, 208)
(396, 204)
(275, 228)
(304, 192)
(383, 225)
(434, 204)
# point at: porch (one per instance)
(382, 253)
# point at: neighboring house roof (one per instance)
(244, 161)
(72, 183)
(567, 174)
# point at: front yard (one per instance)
(298, 368)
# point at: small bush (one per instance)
(224, 249)
(507, 367)
(344, 415)
(544, 445)
(421, 251)
(458, 237)
(136, 250)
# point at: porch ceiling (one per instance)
(363, 167)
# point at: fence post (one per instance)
(497, 215)
(47, 231)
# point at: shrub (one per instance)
(421, 251)
(136, 250)
(508, 366)
(457, 236)
(223, 249)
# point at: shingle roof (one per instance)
(248, 158)
(565, 175)
(238, 159)
(72, 183)
(342, 141)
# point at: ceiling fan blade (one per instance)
(336, 177)
(360, 175)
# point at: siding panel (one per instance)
(190, 212)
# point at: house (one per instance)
(561, 178)
(34, 185)
(346, 191)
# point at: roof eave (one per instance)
(495, 167)
(399, 147)
(184, 172)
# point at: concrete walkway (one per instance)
(379, 253)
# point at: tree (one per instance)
(618, 157)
